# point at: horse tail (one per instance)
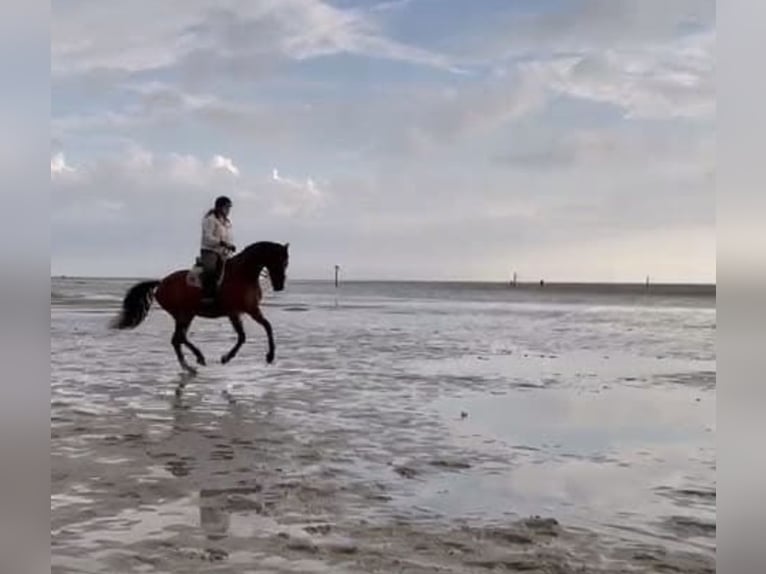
(135, 305)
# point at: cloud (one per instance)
(187, 171)
(131, 37)
(152, 203)
(136, 188)
(137, 202)
(585, 123)
(224, 163)
(614, 149)
(294, 197)
(135, 176)
(59, 165)
(390, 5)
(652, 59)
(442, 118)
(316, 29)
(671, 77)
(390, 122)
(582, 26)
(670, 81)
(667, 82)
(154, 105)
(88, 38)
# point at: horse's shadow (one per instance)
(184, 379)
(181, 381)
(213, 451)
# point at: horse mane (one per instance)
(253, 248)
(259, 251)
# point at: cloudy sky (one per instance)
(412, 139)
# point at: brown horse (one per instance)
(239, 293)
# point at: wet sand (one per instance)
(380, 442)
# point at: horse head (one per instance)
(266, 254)
(277, 266)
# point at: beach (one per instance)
(404, 427)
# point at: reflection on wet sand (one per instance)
(256, 504)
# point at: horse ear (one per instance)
(287, 245)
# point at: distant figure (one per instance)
(216, 246)
(542, 283)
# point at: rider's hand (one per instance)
(231, 247)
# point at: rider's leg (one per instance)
(209, 276)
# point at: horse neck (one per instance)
(249, 263)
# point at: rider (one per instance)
(216, 245)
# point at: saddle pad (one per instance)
(194, 276)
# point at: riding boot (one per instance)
(209, 287)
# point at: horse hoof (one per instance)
(270, 358)
(225, 359)
(201, 361)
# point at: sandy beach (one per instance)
(415, 429)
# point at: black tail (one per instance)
(135, 306)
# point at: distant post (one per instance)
(337, 273)
(513, 282)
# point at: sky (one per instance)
(570, 140)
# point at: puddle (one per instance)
(602, 461)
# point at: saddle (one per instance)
(194, 274)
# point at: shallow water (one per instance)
(403, 427)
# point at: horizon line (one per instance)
(485, 281)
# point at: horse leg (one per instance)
(236, 322)
(193, 348)
(179, 336)
(264, 322)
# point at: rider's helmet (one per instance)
(222, 202)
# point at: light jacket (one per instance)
(214, 231)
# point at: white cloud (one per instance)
(674, 80)
(87, 37)
(442, 118)
(185, 169)
(585, 26)
(131, 36)
(59, 165)
(390, 5)
(136, 172)
(295, 197)
(407, 150)
(157, 106)
(226, 164)
(175, 181)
